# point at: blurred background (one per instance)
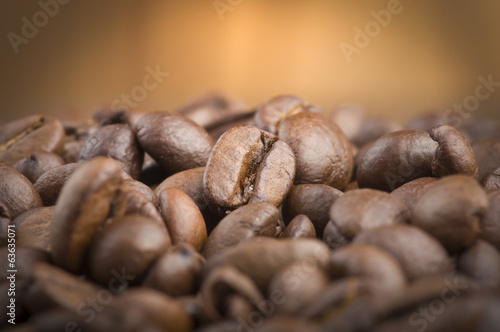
(85, 54)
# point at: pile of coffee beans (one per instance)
(221, 218)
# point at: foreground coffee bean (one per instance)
(248, 165)
(410, 192)
(365, 209)
(451, 210)
(419, 254)
(17, 192)
(5, 219)
(481, 262)
(33, 228)
(82, 208)
(255, 219)
(116, 141)
(490, 224)
(20, 138)
(129, 201)
(174, 141)
(37, 164)
(323, 152)
(333, 238)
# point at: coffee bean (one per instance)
(176, 272)
(255, 219)
(174, 141)
(50, 183)
(82, 208)
(419, 254)
(487, 154)
(130, 244)
(17, 192)
(365, 209)
(190, 182)
(410, 192)
(481, 129)
(314, 201)
(300, 227)
(491, 180)
(248, 165)
(481, 262)
(37, 164)
(4, 223)
(129, 201)
(183, 218)
(106, 116)
(20, 138)
(271, 114)
(116, 141)
(333, 238)
(451, 210)
(33, 228)
(145, 190)
(490, 224)
(323, 152)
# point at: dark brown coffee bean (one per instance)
(410, 192)
(20, 138)
(221, 282)
(481, 129)
(183, 218)
(358, 156)
(4, 223)
(145, 190)
(129, 201)
(174, 141)
(451, 210)
(243, 120)
(263, 257)
(381, 270)
(298, 284)
(487, 155)
(50, 183)
(33, 228)
(38, 163)
(333, 238)
(286, 323)
(26, 259)
(313, 200)
(17, 192)
(490, 224)
(248, 165)
(323, 152)
(152, 173)
(365, 209)
(84, 204)
(176, 272)
(255, 219)
(271, 114)
(491, 180)
(106, 116)
(130, 243)
(158, 308)
(351, 186)
(426, 122)
(481, 262)
(454, 154)
(300, 227)
(418, 253)
(116, 141)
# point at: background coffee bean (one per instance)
(33, 228)
(410, 192)
(490, 224)
(491, 180)
(487, 155)
(333, 238)
(50, 183)
(451, 210)
(323, 152)
(300, 226)
(481, 262)
(145, 190)
(174, 141)
(38, 163)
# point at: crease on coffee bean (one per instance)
(7, 145)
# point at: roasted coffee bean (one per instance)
(451, 210)
(419, 254)
(248, 165)
(129, 201)
(4, 224)
(33, 228)
(37, 164)
(130, 244)
(333, 238)
(263, 257)
(20, 138)
(106, 116)
(17, 192)
(490, 224)
(84, 205)
(481, 262)
(300, 226)
(351, 186)
(50, 183)
(271, 114)
(491, 180)
(426, 122)
(410, 192)
(313, 200)
(145, 190)
(365, 209)
(152, 173)
(406, 155)
(481, 129)
(255, 219)
(323, 152)
(183, 218)
(358, 156)
(116, 141)
(298, 284)
(487, 154)
(286, 323)
(176, 272)
(382, 272)
(26, 259)
(174, 141)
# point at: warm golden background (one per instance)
(429, 57)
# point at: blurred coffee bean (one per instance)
(151, 173)
(33, 228)
(481, 129)
(50, 183)
(300, 227)
(37, 164)
(491, 180)
(107, 116)
(145, 190)
(235, 121)
(5, 220)
(129, 201)
(410, 192)
(487, 154)
(490, 224)
(333, 238)
(322, 151)
(481, 262)
(248, 165)
(451, 210)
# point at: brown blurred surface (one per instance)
(90, 52)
